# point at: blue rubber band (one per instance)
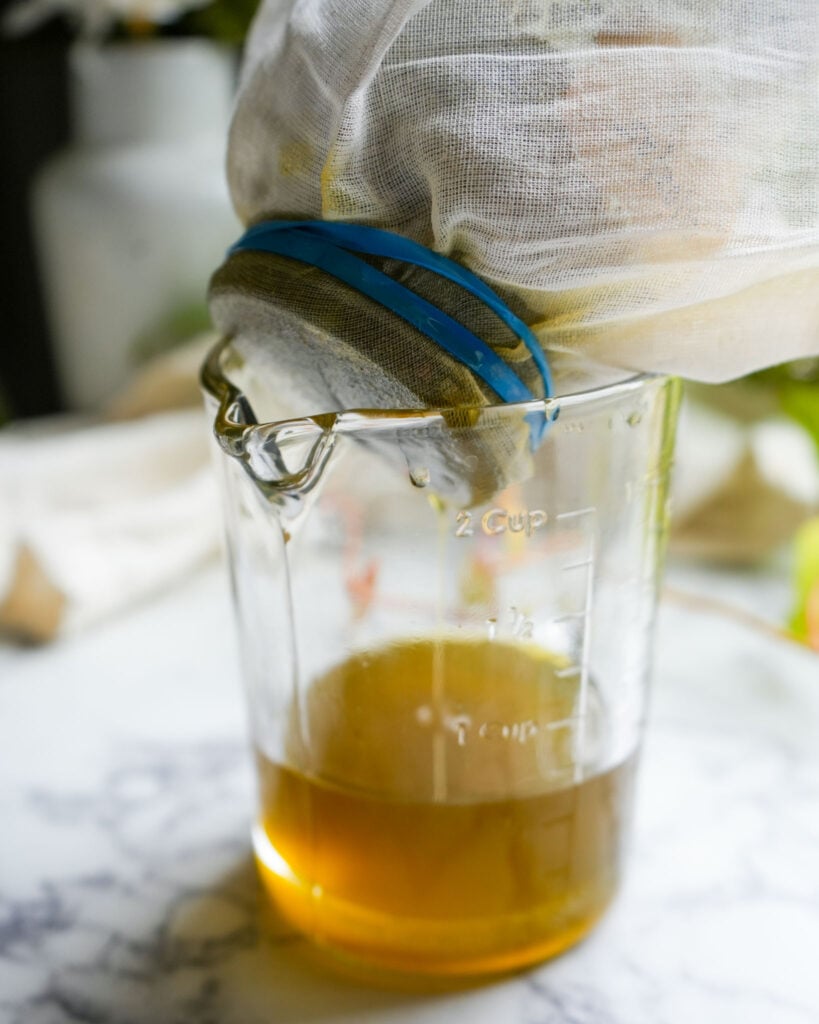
(377, 242)
(330, 245)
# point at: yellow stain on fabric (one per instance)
(336, 202)
(295, 158)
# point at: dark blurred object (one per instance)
(33, 124)
(225, 20)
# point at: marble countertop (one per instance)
(128, 895)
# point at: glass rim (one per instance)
(234, 416)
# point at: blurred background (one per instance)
(114, 116)
(114, 119)
(34, 124)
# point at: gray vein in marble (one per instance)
(179, 895)
(25, 924)
(582, 1005)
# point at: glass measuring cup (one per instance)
(446, 638)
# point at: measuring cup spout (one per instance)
(285, 458)
(288, 458)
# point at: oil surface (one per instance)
(440, 825)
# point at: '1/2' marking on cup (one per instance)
(500, 520)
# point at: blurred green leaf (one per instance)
(796, 387)
(226, 21)
(801, 402)
(805, 620)
(761, 395)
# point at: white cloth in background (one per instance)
(96, 518)
(638, 178)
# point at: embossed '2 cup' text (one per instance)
(500, 520)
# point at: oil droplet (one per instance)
(634, 419)
(419, 477)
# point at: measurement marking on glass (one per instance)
(569, 616)
(563, 723)
(568, 672)
(582, 564)
(575, 514)
(582, 670)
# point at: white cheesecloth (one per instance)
(638, 180)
